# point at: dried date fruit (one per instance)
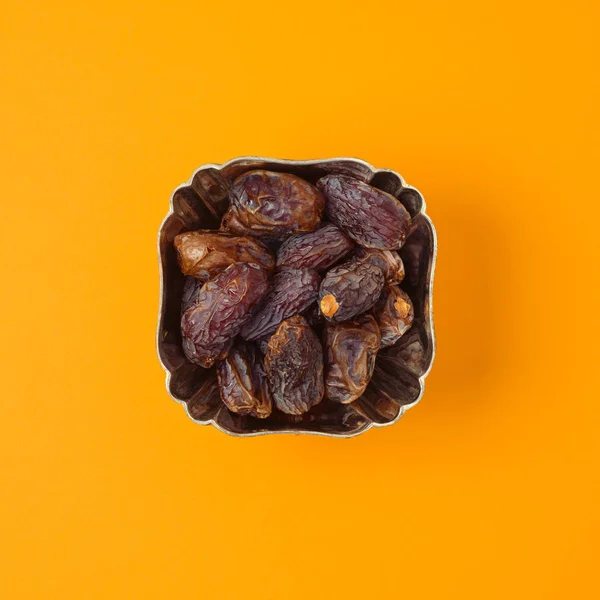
(223, 306)
(350, 352)
(369, 216)
(292, 291)
(277, 205)
(191, 289)
(315, 250)
(394, 313)
(349, 290)
(243, 382)
(388, 261)
(204, 254)
(294, 364)
(231, 224)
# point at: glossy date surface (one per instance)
(204, 254)
(388, 261)
(317, 250)
(349, 290)
(371, 217)
(394, 313)
(243, 382)
(277, 205)
(350, 350)
(221, 308)
(294, 364)
(292, 291)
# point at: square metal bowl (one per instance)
(398, 381)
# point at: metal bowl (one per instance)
(398, 381)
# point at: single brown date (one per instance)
(394, 313)
(316, 250)
(292, 291)
(221, 308)
(294, 364)
(369, 216)
(276, 205)
(204, 254)
(388, 261)
(243, 382)
(350, 352)
(349, 290)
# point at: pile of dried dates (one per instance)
(297, 292)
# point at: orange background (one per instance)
(488, 489)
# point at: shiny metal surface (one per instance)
(199, 203)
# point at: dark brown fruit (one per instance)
(292, 291)
(316, 250)
(350, 351)
(204, 254)
(349, 290)
(191, 290)
(369, 216)
(394, 313)
(243, 382)
(272, 204)
(231, 224)
(388, 261)
(294, 363)
(222, 307)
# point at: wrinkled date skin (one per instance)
(394, 313)
(369, 216)
(294, 364)
(388, 261)
(243, 382)
(350, 352)
(276, 205)
(349, 290)
(191, 290)
(231, 224)
(221, 308)
(317, 250)
(292, 291)
(204, 254)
